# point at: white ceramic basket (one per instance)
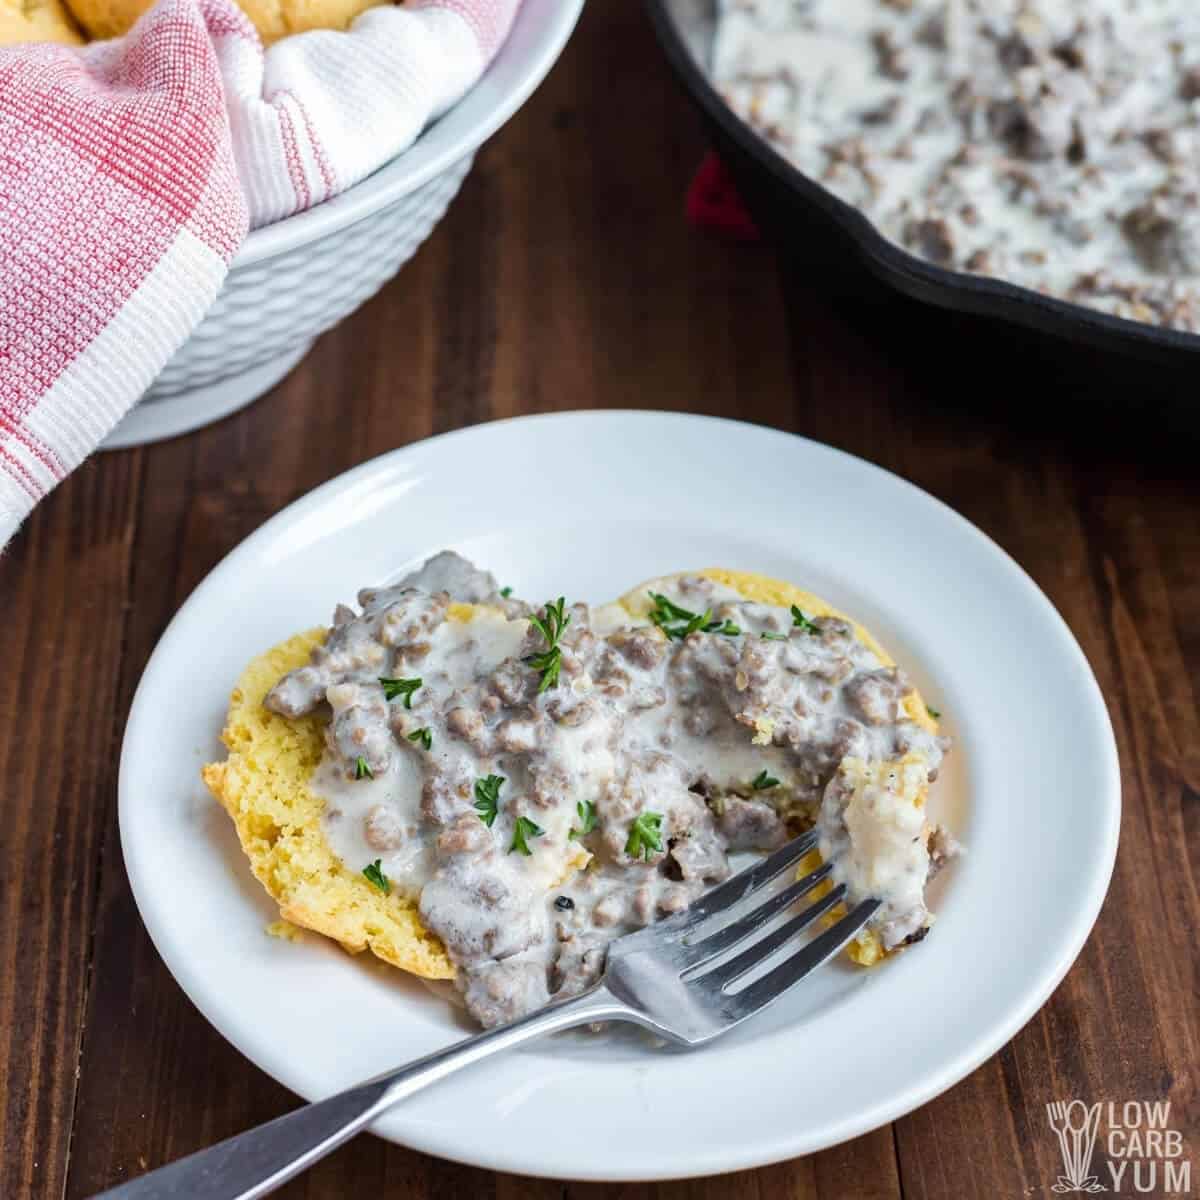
(295, 279)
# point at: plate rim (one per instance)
(726, 1158)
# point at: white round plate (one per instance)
(587, 504)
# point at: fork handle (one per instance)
(256, 1162)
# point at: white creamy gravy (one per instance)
(1052, 143)
(636, 725)
(380, 817)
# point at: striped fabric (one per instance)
(130, 171)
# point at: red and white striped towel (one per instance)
(130, 171)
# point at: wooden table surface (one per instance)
(564, 277)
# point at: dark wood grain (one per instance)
(564, 277)
(63, 610)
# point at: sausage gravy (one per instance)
(1051, 143)
(540, 806)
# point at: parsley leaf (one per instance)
(506, 592)
(587, 819)
(645, 835)
(376, 876)
(773, 637)
(678, 623)
(362, 770)
(399, 687)
(550, 626)
(933, 712)
(666, 610)
(727, 627)
(524, 828)
(423, 737)
(487, 798)
(800, 621)
(763, 782)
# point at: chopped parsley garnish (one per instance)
(773, 637)
(506, 592)
(800, 621)
(523, 829)
(763, 782)
(645, 835)
(727, 627)
(487, 798)
(423, 737)
(362, 769)
(678, 623)
(551, 627)
(399, 687)
(933, 712)
(376, 876)
(587, 819)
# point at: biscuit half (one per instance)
(263, 785)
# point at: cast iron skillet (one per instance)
(809, 223)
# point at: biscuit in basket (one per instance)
(36, 21)
(272, 18)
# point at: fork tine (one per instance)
(743, 883)
(696, 954)
(789, 972)
(761, 950)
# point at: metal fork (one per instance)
(662, 978)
